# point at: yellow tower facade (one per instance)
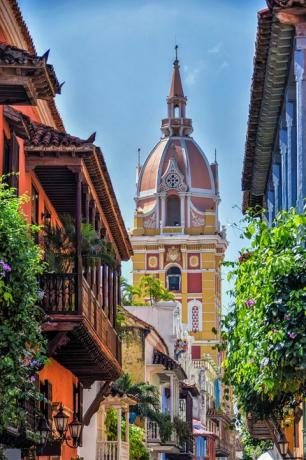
(176, 235)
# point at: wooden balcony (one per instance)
(112, 450)
(155, 443)
(80, 333)
(269, 428)
(223, 447)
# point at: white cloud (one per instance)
(191, 74)
(215, 49)
(223, 65)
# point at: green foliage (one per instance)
(111, 425)
(252, 448)
(60, 244)
(148, 291)
(165, 426)
(148, 403)
(264, 333)
(22, 346)
(146, 395)
(183, 430)
(138, 450)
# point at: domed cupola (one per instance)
(176, 185)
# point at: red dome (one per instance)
(190, 160)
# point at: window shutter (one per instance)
(14, 161)
(49, 403)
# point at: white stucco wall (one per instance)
(88, 450)
(161, 316)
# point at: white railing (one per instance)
(112, 450)
(152, 431)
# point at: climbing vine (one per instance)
(22, 346)
(264, 333)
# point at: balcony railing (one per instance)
(199, 363)
(176, 121)
(153, 432)
(153, 435)
(112, 450)
(61, 293)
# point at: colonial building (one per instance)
(274, 169)
(177, 235)
(62, 175)
(200, 398)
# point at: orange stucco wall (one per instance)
(62, 382)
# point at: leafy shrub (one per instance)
(264, 333)
(22, 346)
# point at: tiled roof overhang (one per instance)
(285, 3)
(169, 364)
(42, 140)
(31, 48)
(17, 65)
(271, 69)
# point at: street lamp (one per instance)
(44, 430)
(61, 421)
(283, 445)
(74, 427)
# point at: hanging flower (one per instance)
(250, 303)
(287, 317)
(6, 268)
(292, 335)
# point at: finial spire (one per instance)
(176, 48)
(215, 155)
(138, 151)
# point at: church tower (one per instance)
(176, 234)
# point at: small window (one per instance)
(176, 112)
(173, 211)
(11, 161)
(174, 279)
(34, 211)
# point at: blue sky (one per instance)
(116, 59)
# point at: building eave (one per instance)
(271, 69)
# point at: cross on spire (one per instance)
(176, 48)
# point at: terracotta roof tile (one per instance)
(31, 48)
(13, 56)
(285, 3)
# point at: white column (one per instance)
(182, 198)
(172, 390)
(291, 142)
(163, 209)
(188, 210)
(157, 211)
(283, 152)
(127, 425)
(119, 412)
(299, 71)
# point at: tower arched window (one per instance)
(194, 316)
(174, 279)
(176, 111)
(173, 211)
